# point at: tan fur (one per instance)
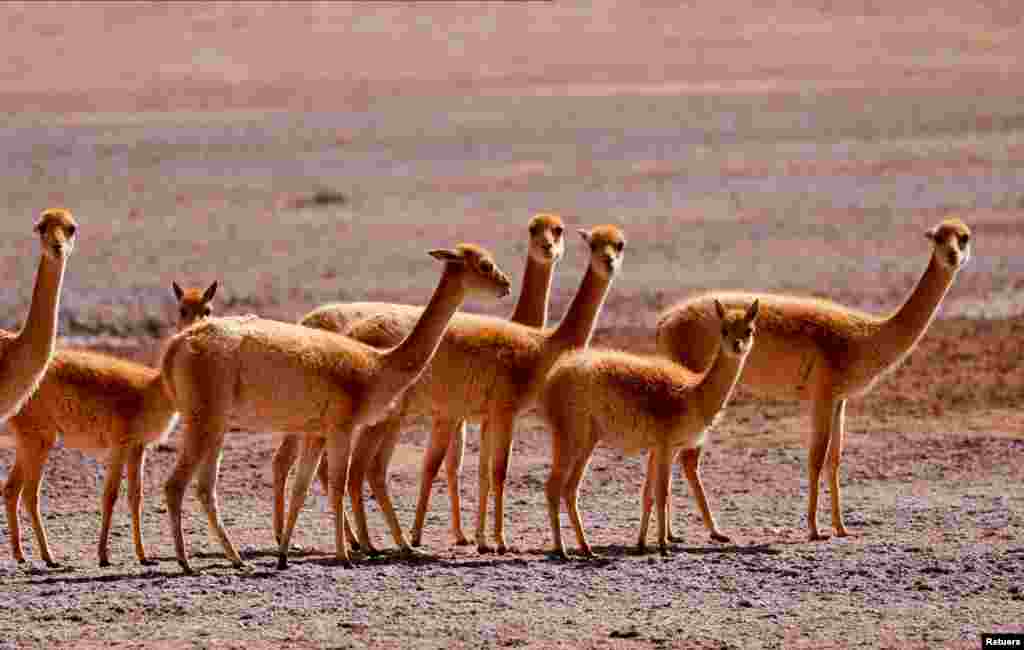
(384, 324)
(633, 402)
(25, 355)
(490, 368)
(103, 405)
(299, 380)
(818, 351)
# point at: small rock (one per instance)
(628, 633)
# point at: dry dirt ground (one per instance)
(802, 147)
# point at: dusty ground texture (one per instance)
(801, 148)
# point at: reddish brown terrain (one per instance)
(301, 153)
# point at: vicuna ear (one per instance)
(585, 235)
(178, 293)
(752, 311)
(720, 309)
(210, 291)
(446, 255)
(931, 234)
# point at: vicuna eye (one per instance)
(206, 311)
(486, 266)
(557, 230)
(725, 331)
(533, 230)
(964, 240)
(620, 245)
(72, 230)
(183, 312)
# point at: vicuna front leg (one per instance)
(284, 458)
(690, 460)
(562, 460)
(501, 436)
(26, 478)
(338, 453)
(571, 494)
(378, 476)
(206, 491)
(453, 468)
(311, 452)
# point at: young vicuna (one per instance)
(25, 355)
(817, 351)
(102, 405)
(633, 403)
(294, 379)
(383, 324)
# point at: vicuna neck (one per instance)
(714, 391)
(577, 325)
(416, 350)
(40, 330)
(532, 307)
(904, 328)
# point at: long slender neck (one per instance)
(40, 330)
(714, 391)
(532, 307)
(416, 350)
(577, 325)
(902, 330)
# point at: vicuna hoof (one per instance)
(282, 562)
(148, 562)
(716, 537)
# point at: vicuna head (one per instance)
(737, 328)
(476, 269)
(952, 241)
(607, 244)
(547, 244)
(56, 228)
(193, 304)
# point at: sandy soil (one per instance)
(802, 147)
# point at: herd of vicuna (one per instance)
(336, 386)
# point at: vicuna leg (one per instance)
(323, 475)
(502, 440)
(136, 465)
(453, 467)
(284, 458)
(836, 444)
(200, 437)
(338, 446)
(663, 462)
(390, 431)
(484, 485)
(206, 491)
(690, 460)
(111, 488)
(312, 449)
(433, 456)
(823, 412)
(26, 478)
(366, 446)
(647, 498)
(571, 494)
(562, 460)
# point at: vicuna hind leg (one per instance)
(823, 414)
(311, 452)
(379, 481)
(836, 443)
(367, 444)
(443, 433)
(200, 438)
(136, 465)
(338, 453)
(571, 494)
(647, 502)
(663, 466)
(453, 469)
(111, 488)
(206, 491)
(284, 457)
